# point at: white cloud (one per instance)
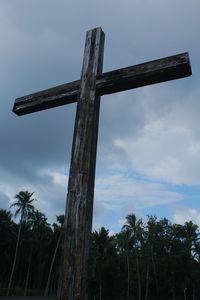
(57, 177)
(123, 193)
(118, 193)
(49, 190)
(184, 214)
(167, 145)
(121, 222)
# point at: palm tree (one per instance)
(39, 225)
(154, 230)
(103, 250)
(60, 219)
(24, 206)
(6, 242)
(135, 234)
(124, 246)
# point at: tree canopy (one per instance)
(151, 259)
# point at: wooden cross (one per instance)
(87, 92)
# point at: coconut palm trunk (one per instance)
(51, 266)
(24, 206)
(60, 219)
(138, 276)
(154, 270)
(133, 227)
(128, 274)
(28, 272)
(147, 283)
(15, 257)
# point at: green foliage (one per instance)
(144, 261)
(23, 204)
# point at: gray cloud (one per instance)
(4, 201)
(42, 46)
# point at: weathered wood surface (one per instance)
(169, 68)
(79, 208)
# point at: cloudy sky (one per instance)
(149, 138)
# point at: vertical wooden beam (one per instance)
(79, 208)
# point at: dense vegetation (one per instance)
(147, 260)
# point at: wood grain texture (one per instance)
(169, 68)
(79, 208)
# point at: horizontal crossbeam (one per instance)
(164, 69)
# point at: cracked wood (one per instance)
(164, 69)
(79, 208)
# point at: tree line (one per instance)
(151, 259)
